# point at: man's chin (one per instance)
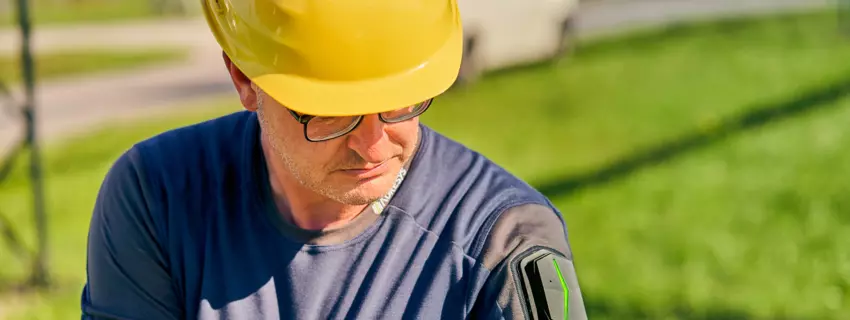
(366, 192)
(358, 197)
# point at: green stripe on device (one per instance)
(566, 291)
(542, 285)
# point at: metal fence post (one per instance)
(39, 276)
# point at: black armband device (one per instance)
(541, 283)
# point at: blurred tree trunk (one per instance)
(168, 7)
(844, 16)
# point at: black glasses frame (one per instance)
(304, 119)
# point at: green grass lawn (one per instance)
(753, 224)
(65, 64)
(57, 12)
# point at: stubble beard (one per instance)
(302, 175)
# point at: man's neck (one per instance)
(300, 206)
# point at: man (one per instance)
(326, 199)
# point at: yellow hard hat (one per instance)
(342, 57)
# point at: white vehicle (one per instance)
(505, 33)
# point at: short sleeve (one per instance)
(127, 269)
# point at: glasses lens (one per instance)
(324, 128)
(406, 113)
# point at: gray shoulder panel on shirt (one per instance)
(516, 226)
(517, 232)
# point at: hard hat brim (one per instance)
(327, 98)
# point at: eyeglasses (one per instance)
(317, 129)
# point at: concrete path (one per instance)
(191, 33)
(74, 105)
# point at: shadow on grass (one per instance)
(821, 98)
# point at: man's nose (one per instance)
(369, 140)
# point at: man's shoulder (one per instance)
(451, 162)
(182, 155)
(220, 132)
(472, 193)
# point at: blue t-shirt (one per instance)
(185, 227)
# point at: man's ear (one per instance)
(244, 87)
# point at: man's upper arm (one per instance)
(127, 269)
(531, 266)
